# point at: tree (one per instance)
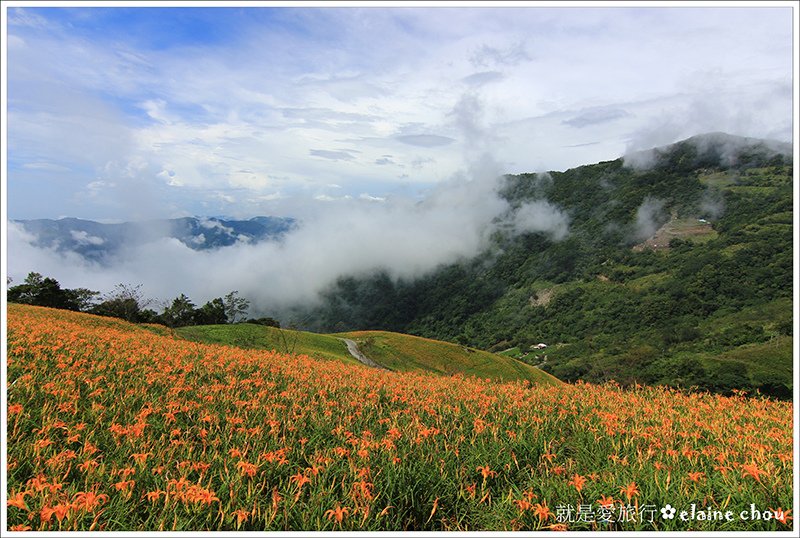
(82, 298)
(235, 306)
(266, 321)
(26, 292)
(125, 302)
(211, 313)
(180, 313)
(45, 291)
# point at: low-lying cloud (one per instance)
(402, 236)
(541, 216)
(719, 149)
(649, 218)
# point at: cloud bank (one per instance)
(401, 236)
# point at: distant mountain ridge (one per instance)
(714, 149)
(96, 240)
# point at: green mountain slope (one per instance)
(252, 336)
(405, 353)
(394, 351)
(664, 251)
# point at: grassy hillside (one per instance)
(395, 351)
(405, 353)
(251, 336)
(111, 427)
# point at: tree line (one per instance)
(129, 303)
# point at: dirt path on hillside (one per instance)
(352, 347)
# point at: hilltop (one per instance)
(406, 353)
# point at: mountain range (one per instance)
(97, 240)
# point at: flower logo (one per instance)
(668, 512)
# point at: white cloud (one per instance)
(45, 166)
(649, 216)
(83, 238)
(370, 198)
(541, 216)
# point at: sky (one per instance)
(126, 113)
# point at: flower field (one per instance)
(115, 427)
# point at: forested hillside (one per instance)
(677, 269)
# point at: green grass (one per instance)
(405, 353)
(399, 352)
(511, 352)
(691, 229)
(251, 336)
(752, 189)
(785, 217)
(718, 179)
(764, 314)
(155, 328)
(647, 281)
(771, 357)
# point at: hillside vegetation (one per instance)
(675, 271)
(405, 353)
(252, 336)
(116, 427)
(398, 352)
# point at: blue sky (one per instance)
(130, 112)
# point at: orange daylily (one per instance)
(381, 425)
(523, 504)
(18, 500)
(61, 511)
(241, 516)
(486, 472)
(695, 477)
(752, 470)
(631, 490)
(247, 469)
(606, 502)
(578, 481)
(300, 479)
(542, 511)
(783, 515)
(89, 500)
(337, 513)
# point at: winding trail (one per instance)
(352, 347)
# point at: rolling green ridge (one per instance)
(252, 336)
(394, 351)
(405, 353)
(704, 301)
